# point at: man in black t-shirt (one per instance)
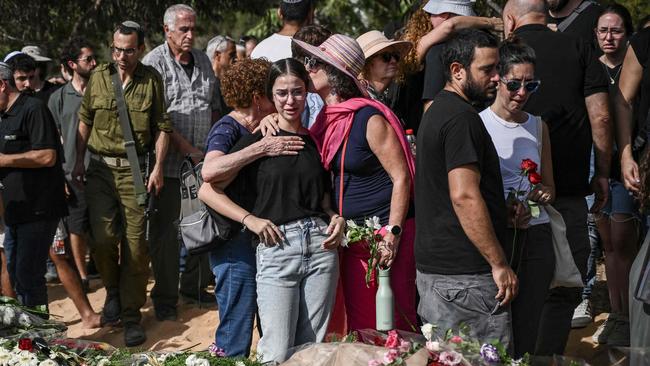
(577, 17)
(33, 194)
(461, 216)
(573, 102)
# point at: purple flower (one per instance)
(216, 351)
(490, 353)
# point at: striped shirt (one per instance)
(189, 102)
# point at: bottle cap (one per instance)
(409, 131)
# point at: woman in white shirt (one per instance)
(518, 135)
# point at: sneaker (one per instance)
(582, 315)
(134, 334)
(620, 335)
(605, 329)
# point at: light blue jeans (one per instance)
(296, 287)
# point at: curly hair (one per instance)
(417, 26)
(341, 84)
(243, 80)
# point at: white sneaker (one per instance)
(582, 315)
(620, 335)
(605, 329)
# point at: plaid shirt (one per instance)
(189, 102)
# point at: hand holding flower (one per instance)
(336, 231)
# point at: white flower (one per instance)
(201, 362)
(189, 361)
(240, 363)
(433, 346)
(103, 362)
(344, 241)
(352, 224)
(48, 363)
(8, 315)
(427, 331)
(24, 358)
(5, 358)
(24, 320)
(373, 223)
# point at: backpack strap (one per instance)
(564, 24)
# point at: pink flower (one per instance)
(391, 356)
(393, 340)
(433, 346)
(450, 358)
(456, 339)
(374, 363)
(404, 346)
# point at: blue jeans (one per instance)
(233, 266)
(27, 248)
(296, 287)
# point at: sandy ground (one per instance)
(195, 325)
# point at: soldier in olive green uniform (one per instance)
(114, 214)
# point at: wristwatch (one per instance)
(394, 229)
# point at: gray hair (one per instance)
(169, 19)
(217, 44)
(6, 73)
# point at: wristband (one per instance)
(244, 218)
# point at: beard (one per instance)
(477, 94)
(556, 5)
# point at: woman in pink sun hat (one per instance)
(364, 146)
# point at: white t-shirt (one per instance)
(274, 48)
(515, 142)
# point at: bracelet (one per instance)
(244, 218)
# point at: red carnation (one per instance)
(393, 340)
(534, 178)
(25, 344)
(528, 165)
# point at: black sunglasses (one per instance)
(311, 63)
(530, 86)
(387, 56)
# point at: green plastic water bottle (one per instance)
(384, 302)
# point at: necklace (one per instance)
(612, 79)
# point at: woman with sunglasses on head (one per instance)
(518, 135)
(382, 63)
(284, 200)
(618, 222)
(363, 144)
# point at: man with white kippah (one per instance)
(434, 74)
(294, 15)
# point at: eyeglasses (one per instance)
(283, 95)
(529, 86)
(602, 32)
(127, 51)
(387, 56)
(88, 59)
(311, 63)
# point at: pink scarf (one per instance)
(334, 122)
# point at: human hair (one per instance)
(130, 27)
(623, 13)
(217, 44)
(417, 26)
(295, 11)
(643, 23)
(72, 50)
(247, 38)
(169, 19)
(243, 80)
(22, 62)
(514, 52)
(287, 66)
(341, 83)
(460, 48)
(7, 74)
(310, 34)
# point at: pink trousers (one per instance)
(360, 299)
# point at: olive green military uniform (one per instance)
(115, 216)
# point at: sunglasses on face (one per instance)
(87, 59)
(387, 56)
(529, 86)
(312, 63)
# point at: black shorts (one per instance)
(77, 220)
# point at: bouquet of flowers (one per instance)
(365, 234)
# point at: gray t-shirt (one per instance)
(64, 104)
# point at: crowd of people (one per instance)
(303, 134)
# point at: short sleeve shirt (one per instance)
(36, 194)
(434, 74)
(145, 101)
(64, 106)
(225, 134)
(583, 25)
(452, 135)
(189, 100)
(569, 73)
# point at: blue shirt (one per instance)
(225, 134)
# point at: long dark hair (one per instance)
(287, 66)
